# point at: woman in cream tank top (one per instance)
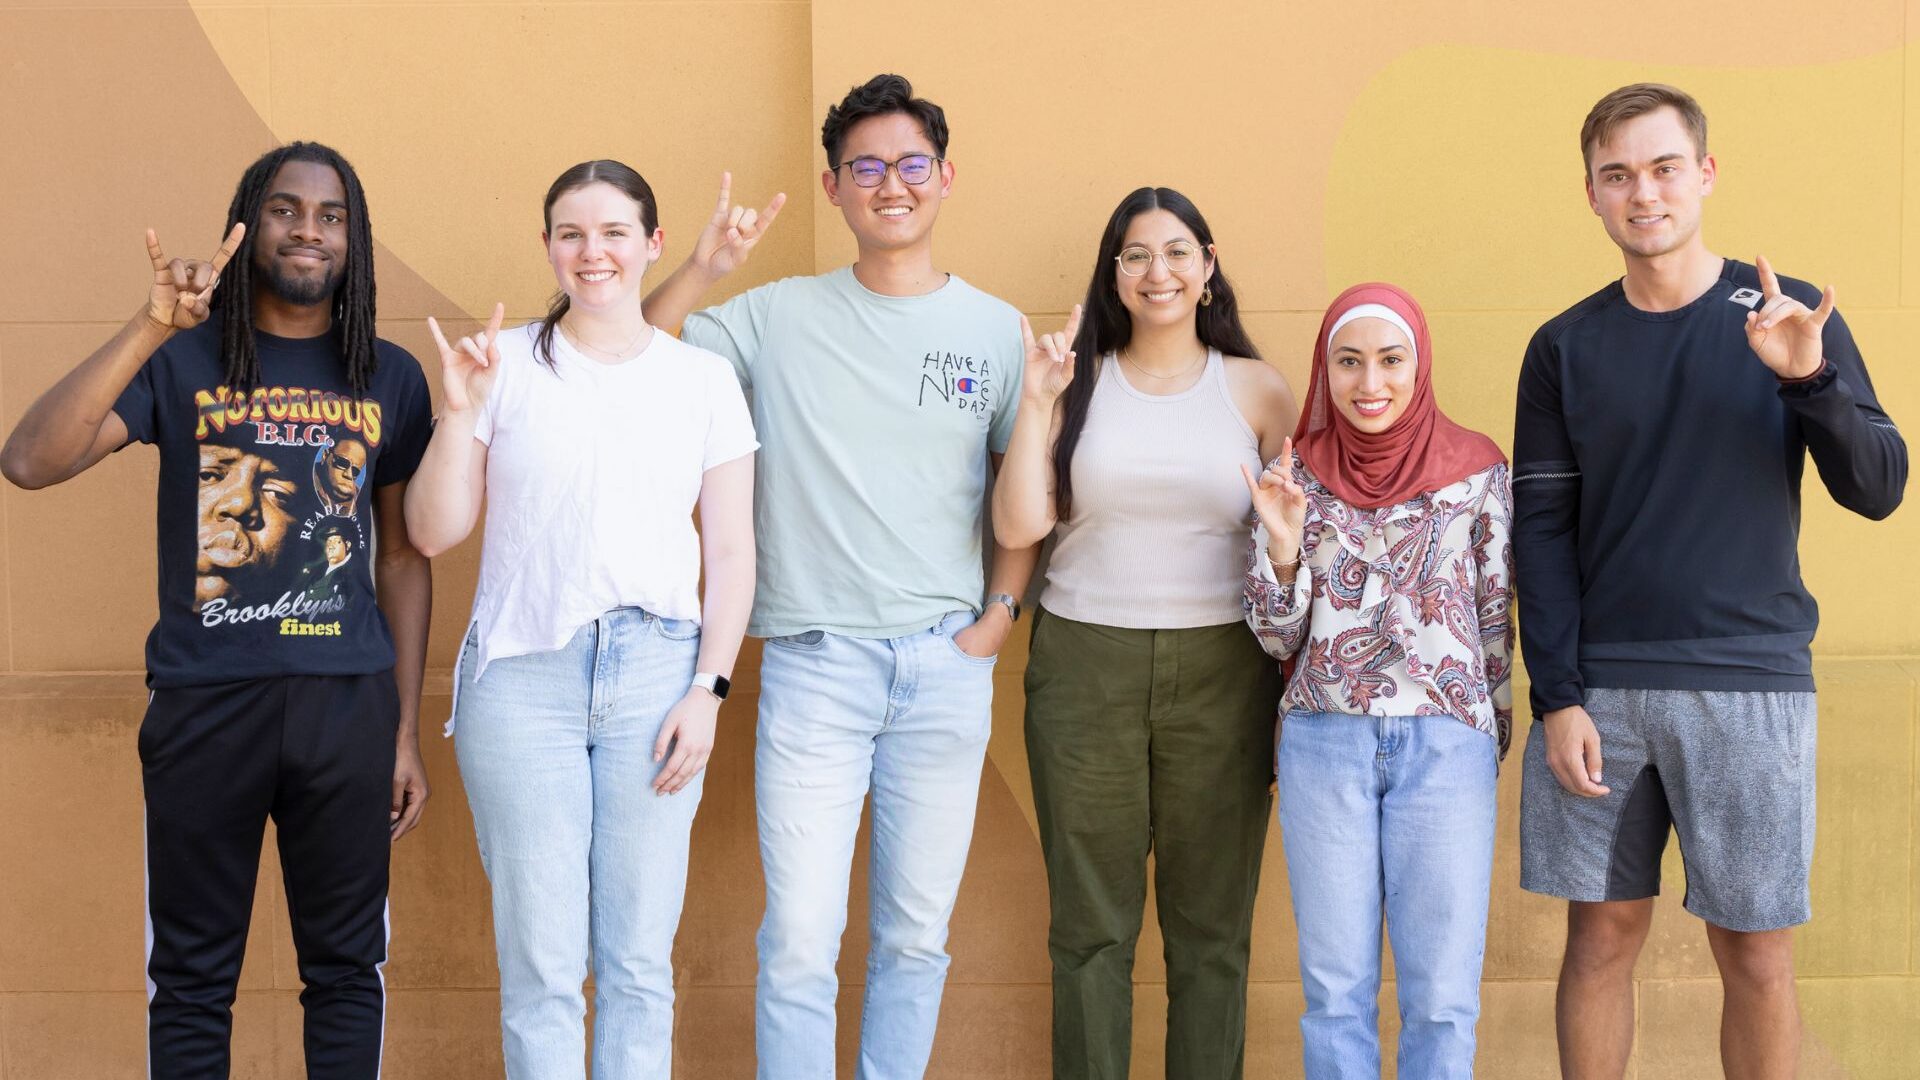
(1150, 704)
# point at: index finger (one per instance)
(1286, 450)
(153, 251)
(439, 338)
(1026, 331)
(1073, 324)
(726, 197)
(1769, 283)
(493, 324)
(228, 246)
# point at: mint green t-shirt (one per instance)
(875, 416)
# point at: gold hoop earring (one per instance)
(1206, 296)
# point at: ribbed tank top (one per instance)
(1157, 537)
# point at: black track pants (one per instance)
(315, 753)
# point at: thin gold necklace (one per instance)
(1188, 370)
(577, 339)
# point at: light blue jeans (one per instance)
(907, 717)
(1390, 814)
(556, 752)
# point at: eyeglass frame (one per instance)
(1200, 250)
(934, 161)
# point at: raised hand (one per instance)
(467, 370)
(1782, 332)
(182, 289)
(732, 231)
(1281, 503)
(1050, 359)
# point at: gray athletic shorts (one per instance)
(1732, 772)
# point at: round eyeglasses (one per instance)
(871, 172)
(1136, 261)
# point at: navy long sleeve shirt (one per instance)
(1656, 485)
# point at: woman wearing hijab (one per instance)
(1382, 558)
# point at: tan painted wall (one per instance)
(1328, 143)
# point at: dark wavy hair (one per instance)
(882, 95)
(1106, 327)
(598, 171)
(353, 299)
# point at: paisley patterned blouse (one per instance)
(1404, 610)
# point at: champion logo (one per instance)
(966, 386)
(1745, 297)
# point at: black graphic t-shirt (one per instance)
(266, 505)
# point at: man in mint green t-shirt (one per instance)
(882, 393)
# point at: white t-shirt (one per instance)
(593, 472)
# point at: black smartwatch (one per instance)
(1013, 606)
(717, 685)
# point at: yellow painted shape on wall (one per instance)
(1458, 175)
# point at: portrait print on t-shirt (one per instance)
(265, 522)
(283, 472)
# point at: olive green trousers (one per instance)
(1154, 741)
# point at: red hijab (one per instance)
(1423, 451)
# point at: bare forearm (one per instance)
(726, 606)
(441, 505)
(1012, 569)
(669, 304)
(405, 588)
(1023, 503)
(52, 440)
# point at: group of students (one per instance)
(1203, 531)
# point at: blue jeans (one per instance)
(556, 752)
(1392, 813)
(907, 717)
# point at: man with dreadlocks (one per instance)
(270, 698)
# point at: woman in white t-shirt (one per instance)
(592, 673)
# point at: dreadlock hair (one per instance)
(599, 171)
(353, 294)
(1107, 327)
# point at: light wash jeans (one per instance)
(908, 717)
(556, 752)
(1393, 812)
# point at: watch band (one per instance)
(717, 685)
(1013, 606)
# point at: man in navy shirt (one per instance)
(1659, 442)
(285, 684)
(1662, 430)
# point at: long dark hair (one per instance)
(352, 297)
(599, 171)
(1105, 325)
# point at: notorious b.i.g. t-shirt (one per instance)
(266, 505)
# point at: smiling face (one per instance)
(598, 246)
(1371, 373)
(1647, 184)
(300, 239)
(1157, 241)
(895, 215)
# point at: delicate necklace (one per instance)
(1188, 370)
(574, 336)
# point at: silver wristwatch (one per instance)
(1013, 606)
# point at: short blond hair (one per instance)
(1639, 99)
